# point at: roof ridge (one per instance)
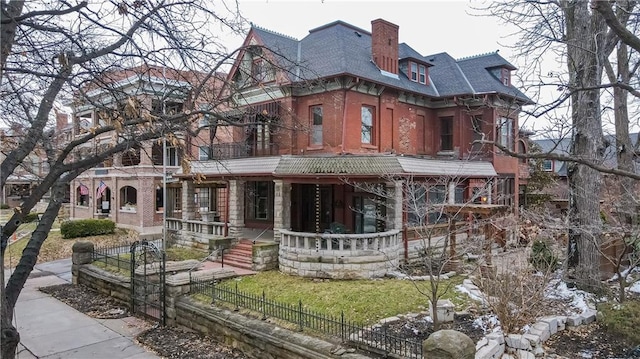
(273, 32)
(477, 56)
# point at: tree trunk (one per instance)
(584, 59)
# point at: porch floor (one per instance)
(257, 234)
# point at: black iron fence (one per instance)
(373, 338)
(117, 257)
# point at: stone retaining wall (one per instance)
(255, 338)
(113, 285)
(265, 256)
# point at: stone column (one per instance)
(451, 196)
(236, 207)
(81, 254)
(117, 159)
(145, 154)
(397, 207)
(188, 204)
(281, 208)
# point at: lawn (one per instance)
(55, 247)
(364, 301)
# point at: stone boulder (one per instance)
(448, 344)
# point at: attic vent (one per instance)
(357, 34)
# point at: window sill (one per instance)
(368, 146)
(315, 148)
(446, 153)
(128, 210)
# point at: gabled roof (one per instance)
(339, 48)
(342, 165)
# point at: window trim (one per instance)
(449, 134)
(313, 140)
(505, 76)
(549, 168)
(370, 128)
(508, 138)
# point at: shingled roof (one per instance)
(342, 165)
(339, 48)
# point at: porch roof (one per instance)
(342, 165)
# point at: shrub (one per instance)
(542, 257)
(86, 228)
(4, 206)
(621, 319)
(30, 217)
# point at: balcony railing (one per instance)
(340, 244)
(196, 227)
(225, 151)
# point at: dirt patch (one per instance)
(589, 341)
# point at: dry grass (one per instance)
(55, 247)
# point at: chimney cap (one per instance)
(380, 20)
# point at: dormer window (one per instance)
(506, 77)
(417, 73)
(262, 71)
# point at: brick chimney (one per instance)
(384, 45)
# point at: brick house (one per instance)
(128, 188)
(341, 107)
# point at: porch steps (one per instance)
(240, 255)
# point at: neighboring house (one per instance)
(338, 111)
(559, 192)
(129, 188)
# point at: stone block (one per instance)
(553, 324)
(544, 330)
(481, 343)
(445, 310)
(574, 320)
(562, 321)
(524, 354)
(533, 339)
(516, 341)
(493, 350)
(589, 316)
(498, 337)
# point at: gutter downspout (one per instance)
(344, 113)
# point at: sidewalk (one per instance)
(51, 329)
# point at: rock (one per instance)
(493, 350)
(516, 341)
(589, 316)
(448, 344)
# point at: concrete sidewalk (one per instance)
(51, 329)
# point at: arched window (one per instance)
(82, 195)
(131, 157)
(522, 148)
(128, 198)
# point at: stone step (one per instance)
(233, 263)
(237, 258)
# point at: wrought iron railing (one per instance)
(373, 338)
(225, 151)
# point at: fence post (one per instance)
(342, 325)
(264, 309)
(213, 292)
(236, 299)
(301, 323)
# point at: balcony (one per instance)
(226, 151)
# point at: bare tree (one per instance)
(78, 53)
(582, 36)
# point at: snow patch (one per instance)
(579, 299)
(489, 323)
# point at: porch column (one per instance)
(236, 207)
(188, 204)
(146, 153)
(397, 207)
(451, 196)
(281, 208)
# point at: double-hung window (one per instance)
(368, 119)
(316, 125)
